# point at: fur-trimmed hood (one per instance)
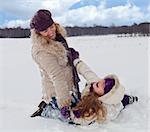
(114, 96)
(50, 46)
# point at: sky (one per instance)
(76, 12)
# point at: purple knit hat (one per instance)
(41, 20)
(109, 83)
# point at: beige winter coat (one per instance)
(51, 57)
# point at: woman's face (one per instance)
(98, 87)
(50, 32)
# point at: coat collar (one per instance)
(50, 46)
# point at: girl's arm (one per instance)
(84, 70)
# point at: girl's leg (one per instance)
(129, 100)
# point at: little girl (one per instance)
(102, 99)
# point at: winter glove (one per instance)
(73, 54)
(65, 112)
(77, 113)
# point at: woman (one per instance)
(54, 59)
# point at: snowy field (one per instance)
(20, 85)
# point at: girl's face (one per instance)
(98, 87)
(50, 32)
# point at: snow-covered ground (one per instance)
(20, 85)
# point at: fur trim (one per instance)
(61, 30)
(116, 94)
(50, 46)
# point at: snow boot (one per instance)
(41, 106)
(129, 100)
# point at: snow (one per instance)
(20, 84)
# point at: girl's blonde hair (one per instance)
(90, 106)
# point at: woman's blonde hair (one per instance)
(90, 106)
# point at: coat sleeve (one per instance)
(49, 64)
(85, 71)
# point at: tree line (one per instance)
(142, 29)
